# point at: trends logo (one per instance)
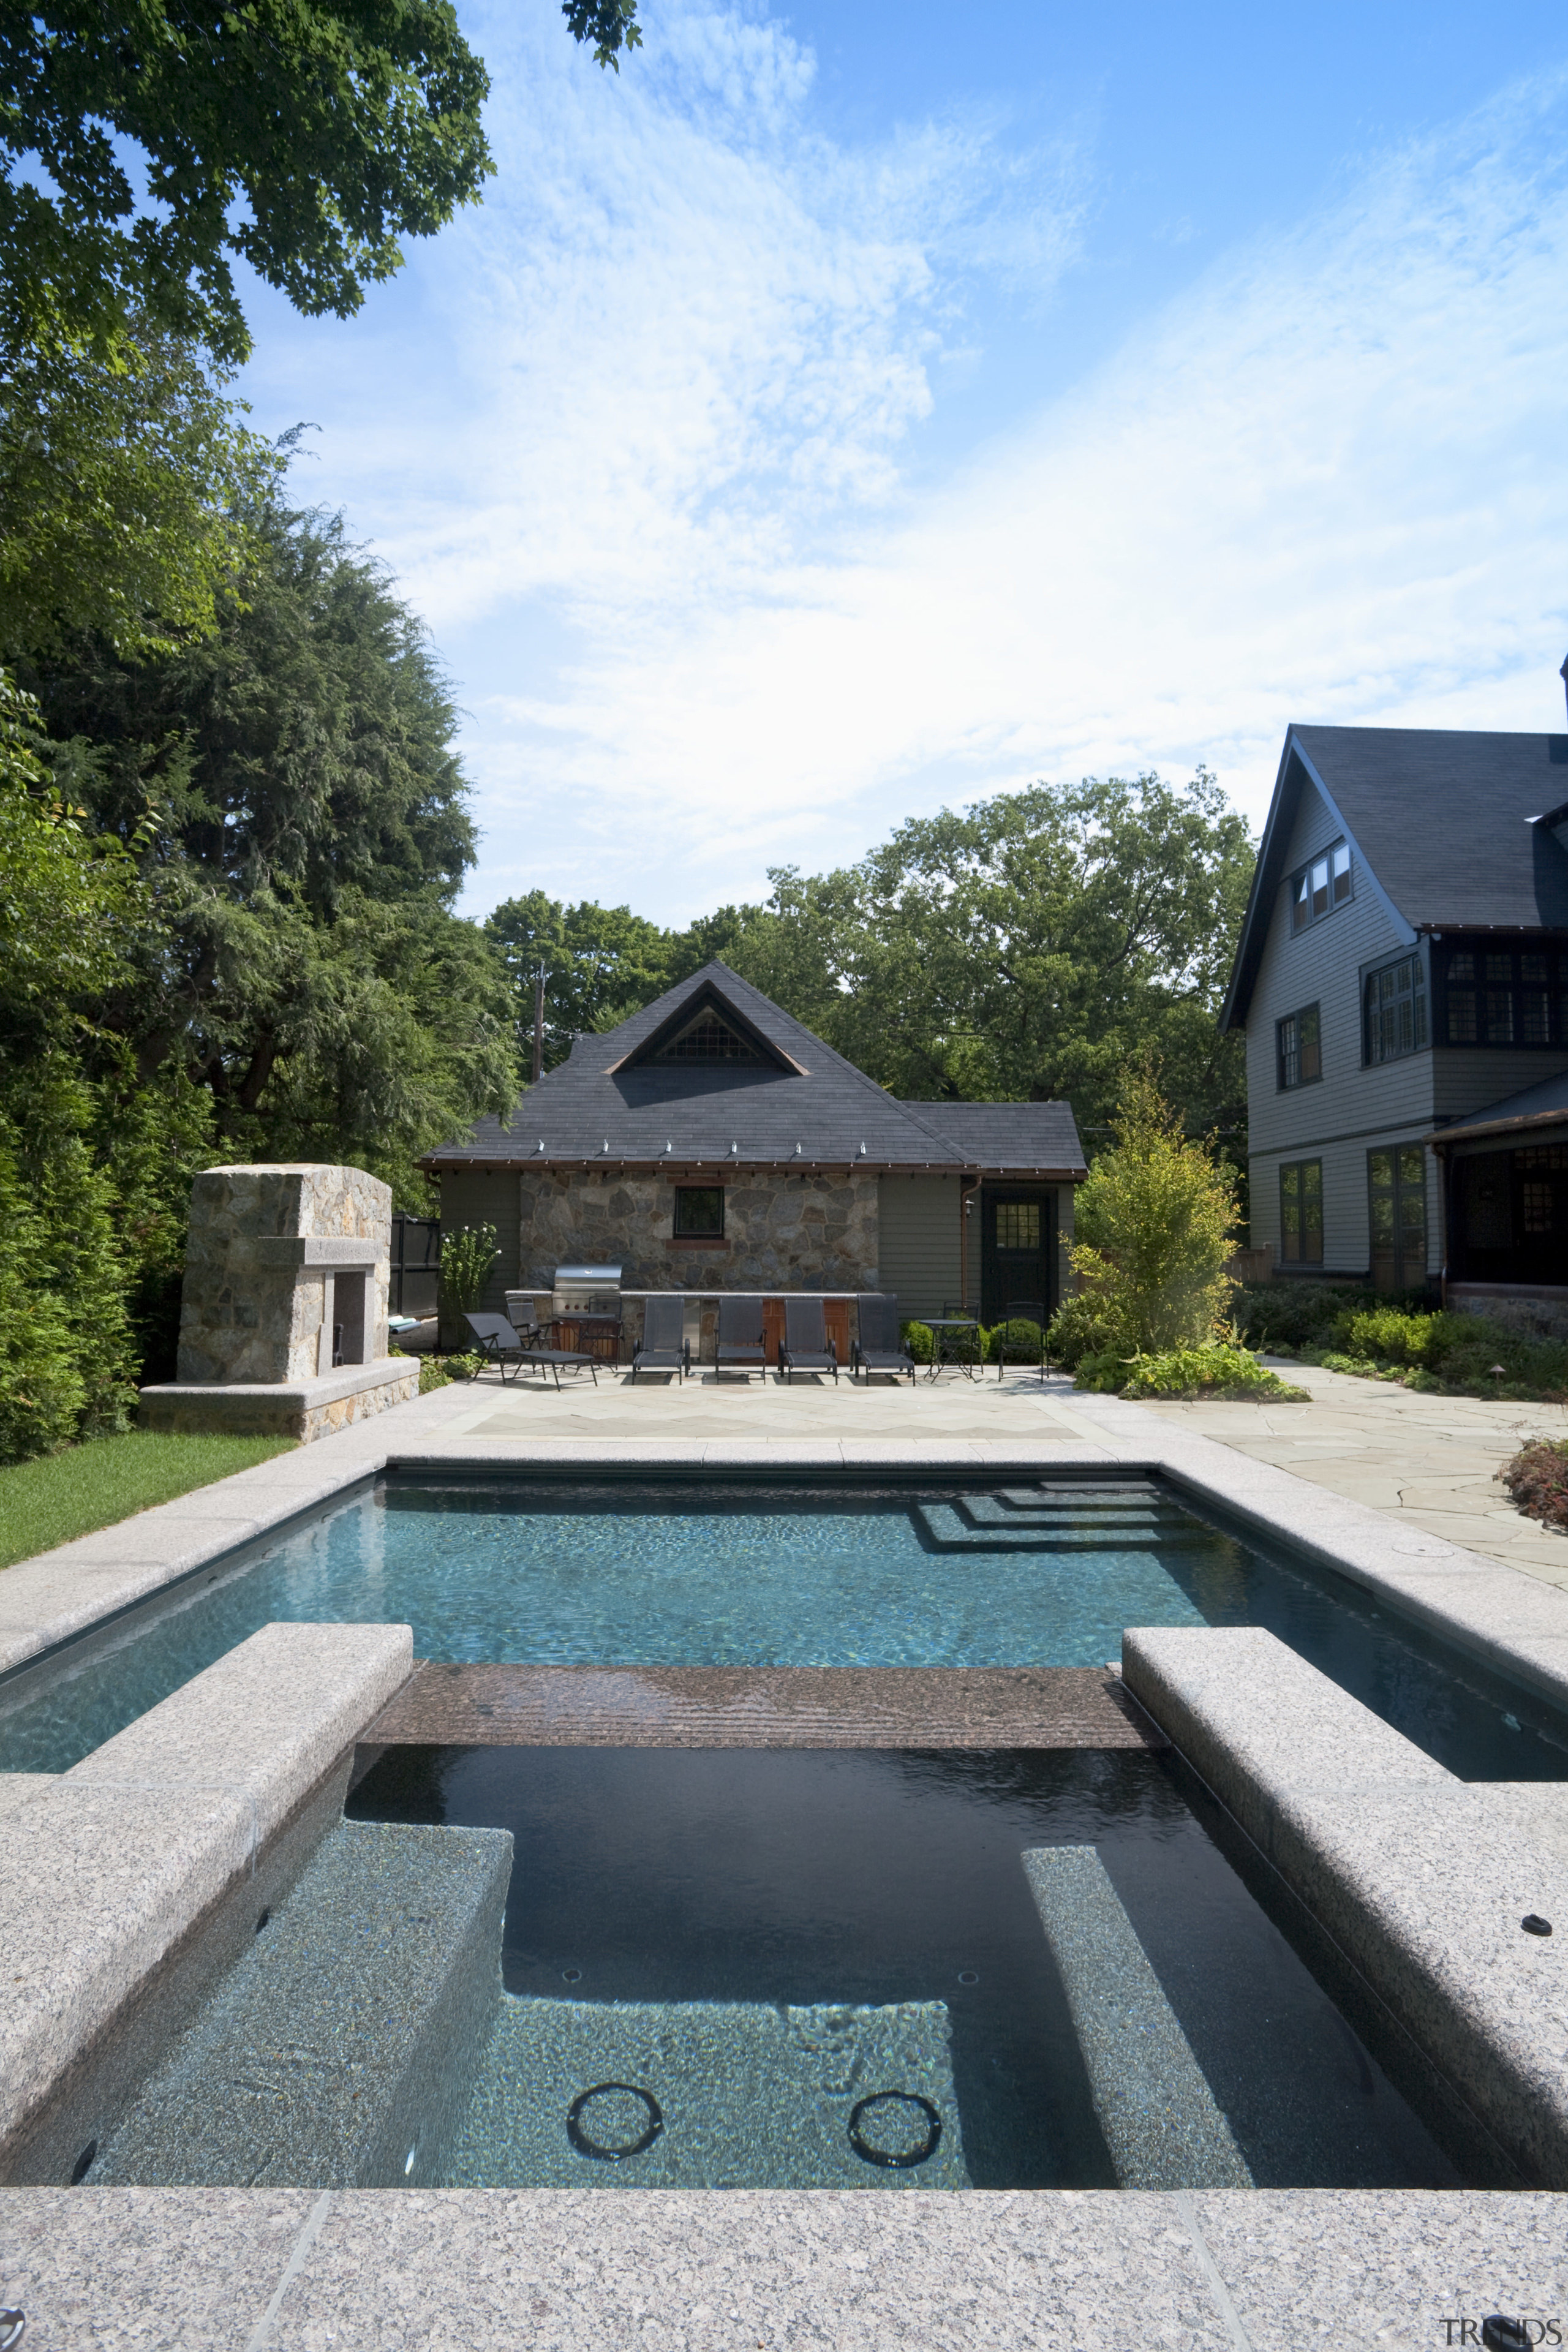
(1498, 2334)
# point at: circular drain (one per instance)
(571, 1975)
(615, 2116)
(896, 2145)
(969, 1976)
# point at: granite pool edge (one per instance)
(1040, 2271)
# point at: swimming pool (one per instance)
(791, 1574)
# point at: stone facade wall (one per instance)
(1527, 1312)
(781, 1233)
(252, 1309)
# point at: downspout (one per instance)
(1446, 1193)
(965, 1192)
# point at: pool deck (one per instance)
(1390, 1489)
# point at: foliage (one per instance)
(920, 1339)
(302, 967)
(1025, 949)
(73, 1493)
(1536, 1479)
(86, 1160)
(610, 24)
(433, 1375)
(1295, 1316)
(1153, 1222)
(1457, 1355)
(604, 964)
(1077, 1329)
(303, 136)
(120, 479)
(1017, 1342)
(1218, 1369)
(468, 1255)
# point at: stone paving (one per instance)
(1430, 1460)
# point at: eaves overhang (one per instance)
(448, 1163)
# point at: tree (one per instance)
(603, 963)
(303, 135)
(121, 482)
(305, 969)
(1024, 948)
(86, 1160)
(1154, 1228)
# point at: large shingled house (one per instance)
(710, 1143)
(1402, 978)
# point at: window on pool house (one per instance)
(1396, 1010)
(1299, 1039)
(1321, 886)
(698, 1211)
(1301, 1212)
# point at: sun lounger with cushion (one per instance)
(503, 1346)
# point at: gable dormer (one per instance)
(706, 1032)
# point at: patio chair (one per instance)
(807, 1346)
(501, 1346)
(877, 1347)
(663, 1347)
(1024, 1310)
(739, 1344)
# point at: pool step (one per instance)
(991, 1511)
(346, 2036)
(949, 1527)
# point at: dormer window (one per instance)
(707, 1039)
(1321, 886)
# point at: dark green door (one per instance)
(1017, 1238)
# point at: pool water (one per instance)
(791, 1575)
(757, 1940)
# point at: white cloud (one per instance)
(658, 415)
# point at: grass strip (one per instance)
(49, 1501)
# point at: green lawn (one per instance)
(48, 1502)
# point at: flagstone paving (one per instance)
(1431, 1460)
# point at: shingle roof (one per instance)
(1440, 819)
(823, 1112)
(1021, 1136)
(1542, 1105)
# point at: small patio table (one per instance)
(939, 1325)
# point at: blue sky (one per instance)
(845, 412)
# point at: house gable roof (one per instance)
(620, 1099)
(1441, 824)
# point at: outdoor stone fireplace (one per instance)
(283, 1316)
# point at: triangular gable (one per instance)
(707, 1030)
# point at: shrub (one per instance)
(467, 1256)
(1077, 1329)
(919, 1339)
(1017, 1342)
(1385, 1333)
(433, 1375)
(1309, 1315)
(1537, 1478)
(1153, 1220)
(1217, 1368)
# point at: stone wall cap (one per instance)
(349, 1380)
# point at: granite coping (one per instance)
(328, 1388)
(1423, 1881)
(681, 2271)
(104, 1872)
(761, 1706)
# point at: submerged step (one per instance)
(946, 1530)
(990, 1511)
(343, 2045)
(720, 2095)
(1160, 2118)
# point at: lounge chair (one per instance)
(807, 1346)
(877, 1347)
(503, 1346)
(739, 1347)
(663, 1347)
(1024, 1310)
